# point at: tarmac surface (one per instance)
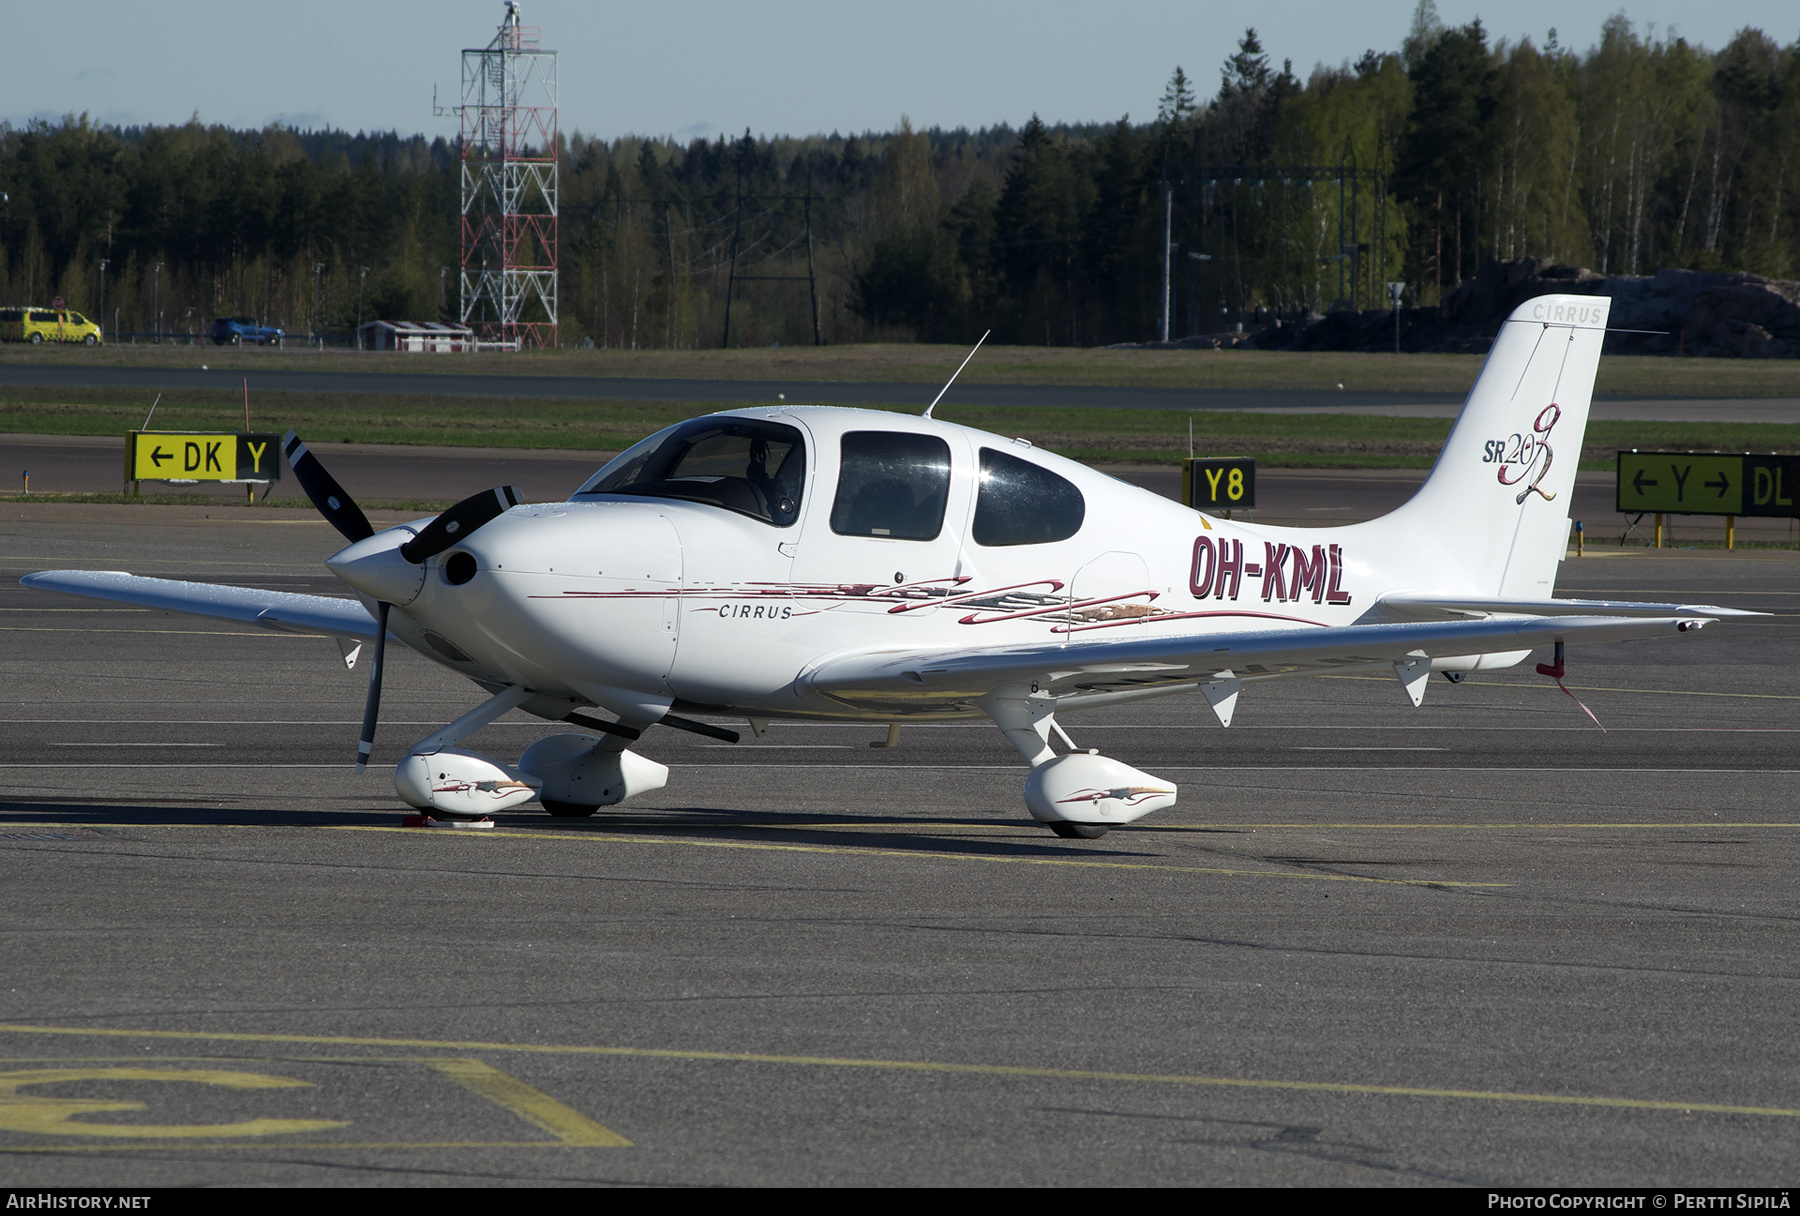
(1477, 943)
(733, 393)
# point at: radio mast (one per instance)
(509, 187)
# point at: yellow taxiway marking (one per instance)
(610, 838)
(199, 633)
(932, 1066)
(535, 1107)
(526, 832)
(55, 1116)
(606, 837)
(1660, 692)
(25, 1112)
(1550, 826)
(284, 1145)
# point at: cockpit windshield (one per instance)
(746, 465)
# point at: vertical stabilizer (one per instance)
(1496, 506)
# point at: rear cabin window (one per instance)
(1021, 503)
(746, 465)
(891, 485)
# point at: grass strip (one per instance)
(1633, 375)
(1278, 438)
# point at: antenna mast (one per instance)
(509, 187)
(953, 376)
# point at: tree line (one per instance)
(1416, 165)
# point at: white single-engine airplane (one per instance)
(835, 565)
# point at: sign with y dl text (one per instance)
(1692, 483)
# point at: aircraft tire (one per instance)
(567, 810)
(1078, 831)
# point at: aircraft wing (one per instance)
(1441, 607)
(283, 610)
(916, 679)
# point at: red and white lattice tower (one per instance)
(509, 187)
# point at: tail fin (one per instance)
(1497, 501)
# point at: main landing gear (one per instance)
(1081, 795)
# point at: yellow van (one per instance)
(40, 325)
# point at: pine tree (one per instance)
(1246, 74)
(1177, 105)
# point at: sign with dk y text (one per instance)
(177, 456)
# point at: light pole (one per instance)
(104, 263)
(442, 271)
(157, 298)
(360, 280)
(1395, 291)
(318, 320)
(1168, 247)
(1200, 257)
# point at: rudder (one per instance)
(1497, 501)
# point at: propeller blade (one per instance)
(456, 523)
(372, 707)
(338, 508)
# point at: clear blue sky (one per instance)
(703, 66)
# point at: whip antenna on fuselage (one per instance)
(953, 376)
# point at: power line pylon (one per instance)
(509, 187)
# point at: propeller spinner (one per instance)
(372, 572)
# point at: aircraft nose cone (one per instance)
(375, 568)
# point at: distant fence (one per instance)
(166, 338)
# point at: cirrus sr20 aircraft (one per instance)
(835, 565)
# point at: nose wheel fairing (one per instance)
(461, 783)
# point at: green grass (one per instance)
(931, 364)
(1278, 438)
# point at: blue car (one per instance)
(239, 330)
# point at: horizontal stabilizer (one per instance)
(283, 610)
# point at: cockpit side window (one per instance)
(1021, 503)
(891, 484)
(746, 465)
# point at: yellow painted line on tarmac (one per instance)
(941, 1067)
(913, 855)
(50, 1116)
(1660, 692)
(1211, 827)
(197, 633)
(282, 1145)
(534, 1106)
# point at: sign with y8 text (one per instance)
(1218, 483)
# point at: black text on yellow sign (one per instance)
(1686, 483)
(1218, 483)
(173, 456)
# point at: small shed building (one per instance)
(434, 337)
